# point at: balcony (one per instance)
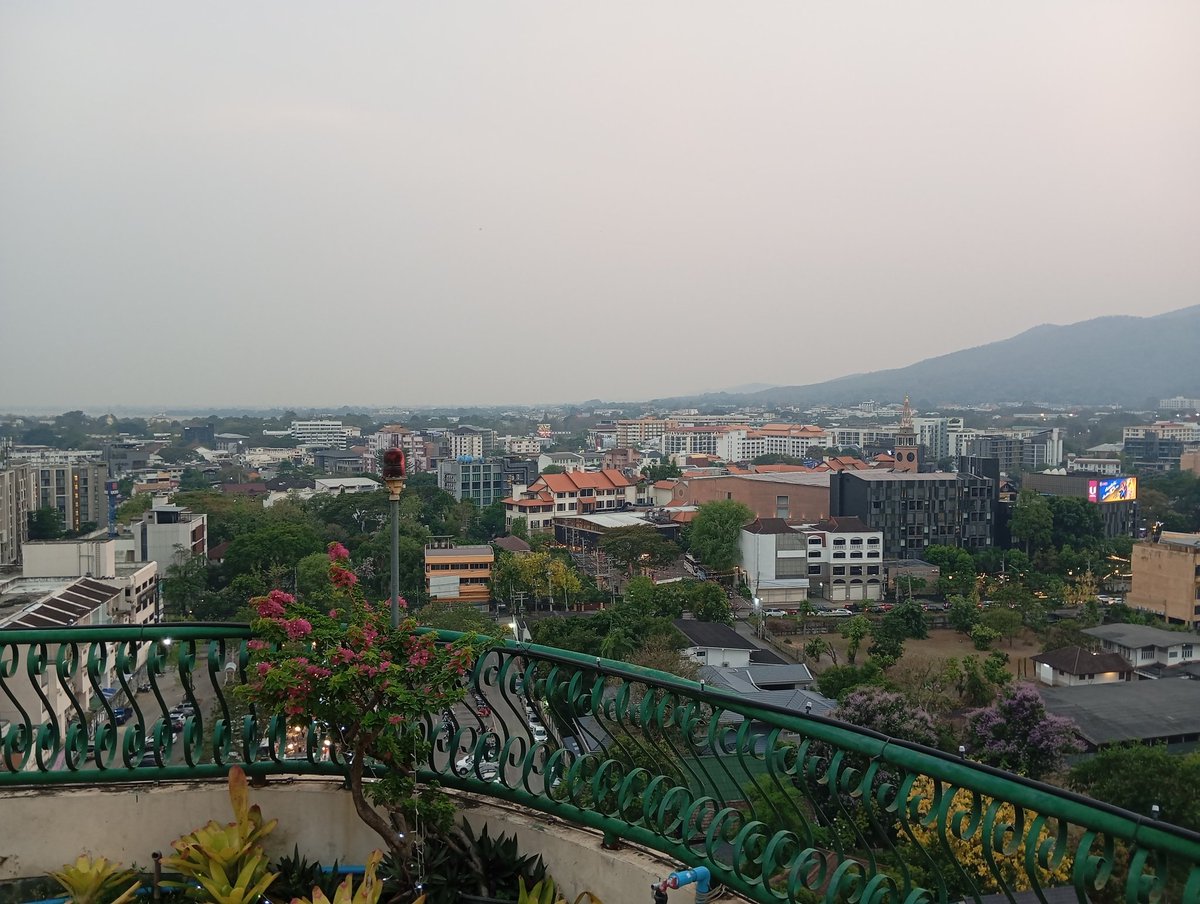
(779, 806)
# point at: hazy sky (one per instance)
(442, 202)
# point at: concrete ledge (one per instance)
(41, 829)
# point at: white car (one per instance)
(488, 769)
(539, 734)
(836, 612)
(776, 613)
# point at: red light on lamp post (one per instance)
(394, 465)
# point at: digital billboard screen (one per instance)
(1113, 489)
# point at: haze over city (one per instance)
(299, 204)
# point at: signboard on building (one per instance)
(443, 586)
(1113, 489)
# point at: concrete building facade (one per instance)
(791, 496)
(459, 574)
(76, 490)
(15, 493)
(1166, 578)
(915, 510)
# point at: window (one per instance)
(839, 541)
(814, 569)
(839, 569)
(782, 507)
(1147, 654)
(1187, 651)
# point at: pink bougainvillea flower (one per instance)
(283, 599)
(337, 552)
(342, 578)
(297, 628)
(263, 668)
(268, 607)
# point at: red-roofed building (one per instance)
(570, 493)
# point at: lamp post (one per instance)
(758, 613)
(393, 476)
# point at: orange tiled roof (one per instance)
(665, 484)
(572, 481)
(781, 469)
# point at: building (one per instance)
(477, 479)
(1166, 577)
(1007, 449)
(792, 496)
(836, 560)
(199, 435)
(640, 432)
(1115, 498)
(1149, 712)
(621, 459)
(165, 534)
(125, 457)
(573, 493)
(76, 490)
(331, 434)
(475, 442)
(1189, 460)
(98, 559)
(338, 461)
(395, 436)
(747, 443)
(915, 510)
(1042, 449)
(1179, 403)
(1073, 666)
(1159, 446)
(15, 493)
(1147, 647)
(340, 485)
(459, 574)
(711, 643)
(1095, 466)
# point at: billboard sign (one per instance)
(1113, 489)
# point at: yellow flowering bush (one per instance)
(969, 853)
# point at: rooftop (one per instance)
(1129, 710)
(1140, 635)
(434, 552)
(1078, 661)
(712, 634)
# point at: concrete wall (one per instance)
(1166, 581)
(43, 829)
(70, 558)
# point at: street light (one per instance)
(758, 615)
(394, 472)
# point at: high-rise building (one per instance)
(15, 494)
(480, 480)
(75, 490)
(1166, 577)
(916, 510)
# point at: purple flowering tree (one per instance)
(888, 713)
(1016, 733)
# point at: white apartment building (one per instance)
(793, 440)
(883, 436)
(1179, 403)
(641, 432)
(960, 441)
(837, 559)
(690, 440)
(1107, 467)
(1171, 430)
(465, 443)
(165, 533)
(522, 445)
(320, 433)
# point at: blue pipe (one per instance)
(697, 874)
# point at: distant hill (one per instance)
(1126, 361)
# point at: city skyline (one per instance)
(287, 205)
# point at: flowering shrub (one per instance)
(1017, 734)
(967, 854)
(335, 660)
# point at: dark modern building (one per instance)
(1154, 453)
(203, 434)
(1120, 518)
(478, 479)
(917, 510)
(1006, 449)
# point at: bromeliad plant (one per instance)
(334, 659)
(89, 881)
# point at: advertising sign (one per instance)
(1093, 491)
(1115, 489)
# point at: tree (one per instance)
(956, 569)
(983, 637)
(46, 524)
(637, 546)
(815, 648)
(554, 469)
(273, 544)
(1005, 622)
(1032, 521)
(659, 652)
(1138, 777)
(373, 688)
(888, 713)
(963, 614)
(520, 528)
(855, 631)
(1075, 522)
(183, 582)
(887, 643)
(664, 470)
(715, 535)
(708, 603)
(454, 617)
(908, 620)
(312, 575)
(1017, 734)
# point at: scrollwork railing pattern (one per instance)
(781, 806)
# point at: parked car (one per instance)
(122, 714)
(880, 608)
(840, 613)
(539, 734)
(776, 613)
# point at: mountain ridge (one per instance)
(1118, 359)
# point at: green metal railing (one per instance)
(780, 806)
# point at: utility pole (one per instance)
(394, 473)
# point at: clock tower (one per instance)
(908, 451)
